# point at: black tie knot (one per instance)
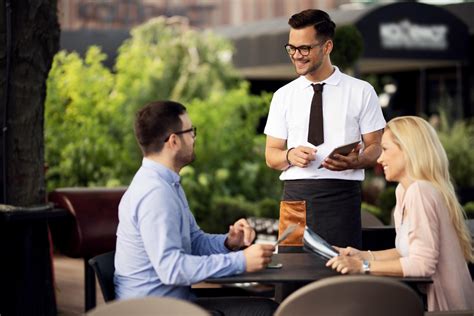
(318, 87)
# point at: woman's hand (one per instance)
(353, 252)
(349, 251)
(346, 264)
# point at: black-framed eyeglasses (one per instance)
(193, 130)
(304, 49)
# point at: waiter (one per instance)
(310, 116)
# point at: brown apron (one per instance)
(292, 212)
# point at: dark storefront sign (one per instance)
(413, 31)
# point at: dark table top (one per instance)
(297, 267)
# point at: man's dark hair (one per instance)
(321, 21)
(156, 121)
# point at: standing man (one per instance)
(161, 251)
(308, 118)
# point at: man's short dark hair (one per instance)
(321, 21)
(156, 121)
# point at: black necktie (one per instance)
(316, 130)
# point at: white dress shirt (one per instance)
(350, 109)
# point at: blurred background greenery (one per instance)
(90, 110)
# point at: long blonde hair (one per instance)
(427, 160)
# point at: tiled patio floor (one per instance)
(69, 275)
(69, 278)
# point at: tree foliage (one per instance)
(90, 112)
(230, 166)
(90, 109)
(83, 135)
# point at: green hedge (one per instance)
(89, 114)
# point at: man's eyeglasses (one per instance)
(193, 130)
(304, 49)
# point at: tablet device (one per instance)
(341, 150)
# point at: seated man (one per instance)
(160, 249)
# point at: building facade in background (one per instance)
(420, 54)
(119, 14)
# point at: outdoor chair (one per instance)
(104, 269)
(89, 230)
(149, 306)
(353, 296)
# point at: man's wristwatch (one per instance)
(366, 266)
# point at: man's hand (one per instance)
(302, 156)
(341, 162)
(241, 234)
(257, 257)
(368, 157)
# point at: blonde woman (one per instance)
(432, 236)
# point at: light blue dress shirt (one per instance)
(160, 249)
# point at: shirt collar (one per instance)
(165, 173)
(333, 79)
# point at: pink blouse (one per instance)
(433, 247)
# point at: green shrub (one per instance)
(469, 209)
(269, 208)
(458, 141)
(230, 158)
(89, 109)
(83, 127)
(226, 210)
(89, 115)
